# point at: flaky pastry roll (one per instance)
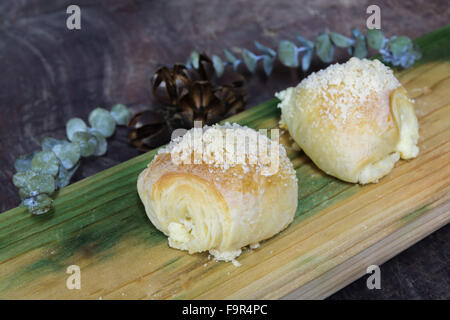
(219, 189)
(354, 120)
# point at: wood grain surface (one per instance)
(50, 74)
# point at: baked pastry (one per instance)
(354, 120)
(213, 190)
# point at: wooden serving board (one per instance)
(339, 229)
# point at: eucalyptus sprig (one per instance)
(41, 173)
(397, 50)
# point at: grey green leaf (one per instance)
(45, 162)
(68, 153)
(194, 59)
(340, 40)
(48, 143)
(415, 52)
(38, 184)
(288, 53)
(399, 45)
(75, 125)
(22, 178)
(218, 65)
(65, 175)
(121, 114)
(102, 144)
(87, 143)
(229, 56)
(306, 60)
(24, 193)
(375, 38)
(360, 49)
(324, 48)
(268, 64)
(305, 42)
(101, 120)
(39, 204)
(266, 50)
(250, 60)
(42, 183)
(23, 163)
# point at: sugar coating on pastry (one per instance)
(212, 190)
(354, 120)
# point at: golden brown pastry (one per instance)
(354, 120)
(211, 190)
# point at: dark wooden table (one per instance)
(50, 74)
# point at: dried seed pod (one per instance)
(168, 84)
(186, 95)
(149, 130)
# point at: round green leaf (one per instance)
(375, 38)
(232, 59)
(22, 178)
(399, 45)
(250, 60)
(340, 40)
(360, 47)
(218, 65)
(268, 64)
(87, 143)
(194, 59)
(65, 175)
(415, 52)
(67, 153)
(38, 184)
(305, 42)
(75, 125)
(23, 163)
(229, 56)
(101, 120)
(24, 193)
(266, 50)
(39, 205)
(45, 162)
(42, 183)
(121, 114)
(324, 48)
(287, 51)
(47, 143)
(408, 58)
(306, 60)
(102, 144)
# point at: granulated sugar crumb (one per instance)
(254, 246)
(236, 263)
(226, 146)
(344, 86)
(361, 78)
